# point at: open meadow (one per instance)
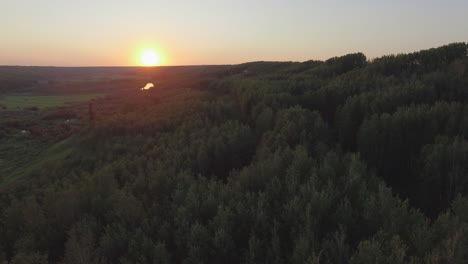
(43, 101)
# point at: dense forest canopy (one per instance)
(347, 160)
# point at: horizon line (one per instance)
(116, 66)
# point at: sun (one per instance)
(150, 58)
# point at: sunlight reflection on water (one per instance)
(148, 86)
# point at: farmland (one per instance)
(43, 101)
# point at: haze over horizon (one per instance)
(113, 33)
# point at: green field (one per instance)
(43, 101)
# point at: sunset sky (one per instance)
(115, 32)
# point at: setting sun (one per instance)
(150, 58)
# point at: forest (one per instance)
(347, 160)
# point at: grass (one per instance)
(16, 154)
(26, 154)
(43, 101)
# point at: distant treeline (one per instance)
(338, 161)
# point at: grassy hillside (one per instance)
(42, 101)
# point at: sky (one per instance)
(115, 32)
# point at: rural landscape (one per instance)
(346, 160)
(234, 132)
